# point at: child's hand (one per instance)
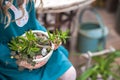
(29, 66)
(25, 64)
(56, 46)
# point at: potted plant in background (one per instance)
(103, 67)
(35, 43)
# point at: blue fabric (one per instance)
(55, 67)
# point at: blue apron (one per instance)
(57, 65)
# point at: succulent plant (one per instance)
(28, 46)
(57, 37)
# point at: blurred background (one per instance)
(87, 38)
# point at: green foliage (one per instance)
(104, 65)
(28, 46)
(88, 73)
(58, 36)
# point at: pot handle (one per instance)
(100, 22)
(98, 17)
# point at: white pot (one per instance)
(45, 58)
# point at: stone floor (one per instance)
(112, 39)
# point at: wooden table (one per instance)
(57, 6)
(59, 14)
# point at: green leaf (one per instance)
(35, 49)
(30, 36)
(88, 73)
(117, 53)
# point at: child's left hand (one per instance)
(56, 46)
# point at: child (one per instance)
(17, 17)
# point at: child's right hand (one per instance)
(56, 46)
(25, 64)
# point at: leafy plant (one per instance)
(104, 66)
(58, 36)
(28, 46)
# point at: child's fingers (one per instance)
(25, 65)
(38, 65)
(56, 46)
(29, 66)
